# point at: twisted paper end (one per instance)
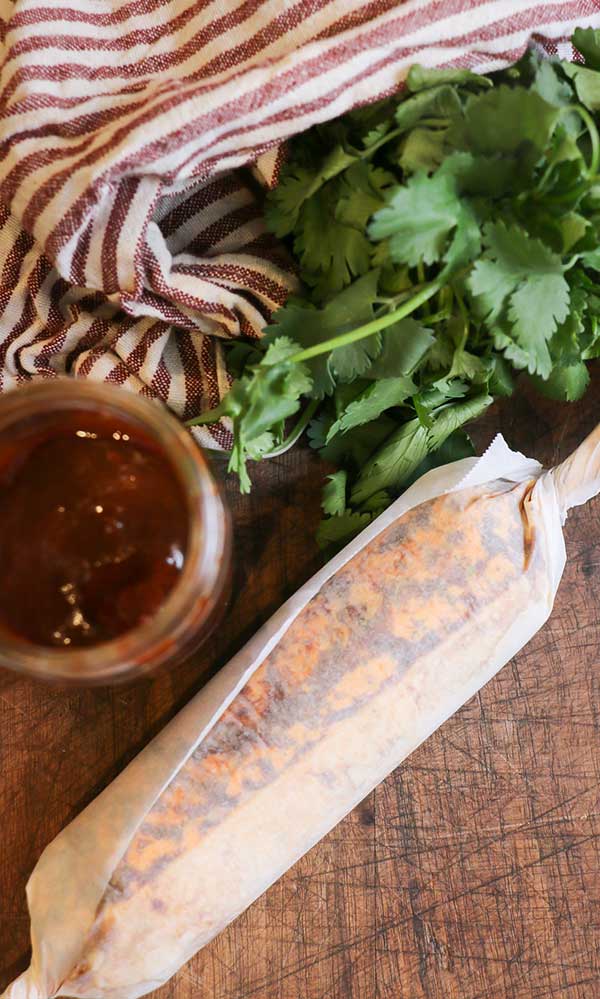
(577, 478)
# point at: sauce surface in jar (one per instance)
(93, 530)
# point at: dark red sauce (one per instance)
(93, 530)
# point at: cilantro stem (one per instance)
(397, 132)
(591, 169)
(542, 181)
(590, 124)
(422, 296)
(289, 441)
(438, 317)
(394, 134)
(296, 433)
(421, 276)
(393, 300)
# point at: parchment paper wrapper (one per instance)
(100, 930)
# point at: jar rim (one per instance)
(192, 599)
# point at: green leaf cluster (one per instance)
(448, 240)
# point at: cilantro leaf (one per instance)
(318, 429)
(258, 447)
(431, 120)
(455, 415)
(564, 384)
(587, 41)
(308, 326)
(502, 119)
(550, 85)
(478, 174)
(422, 77)
(296, 186)
(403, 347)
(355, 446)
(330, 237)
(355, 358)
(438, 102)
(331, 252)
(592, 259)
(341, 528)
(538, 304)
(450, 354)
(376, 503)
(573, 228)
(393, 462)
(399, 457)
(362, 193)
(458, 445)
(349, 309)
(587, 84)
(261, 399)
(423, 150)
(501, 382)
(303, 323)
(418, 219)
(334, 493)
(466, 242)
(240, 355)
(520, 276)
(375, 134)
(372, 402)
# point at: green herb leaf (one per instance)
(341, 528)
(458, 445)
(551, 86)
(261, 399)
(587, 84)
(587, 41)
(307, 326)
(522, 276)
(565, 384)
(393, 462)
(362, 192)
(422, 77)
(440, 102)
(333, 500)
(331, 252)
(501, 382)
(423, 150)
(451, 417)
(354, 447)
(403, 347)
(573, 227)
(297, 185)
(502, 119)
(372, 402)
(376, 503)
(418, 219)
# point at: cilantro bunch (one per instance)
(447, 239)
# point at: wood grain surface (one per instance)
(471, 873)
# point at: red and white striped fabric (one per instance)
(130, 242)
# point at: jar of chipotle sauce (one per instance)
(114, 539)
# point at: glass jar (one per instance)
(193, 604)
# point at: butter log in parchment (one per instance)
(389, 646)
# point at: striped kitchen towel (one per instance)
(131, 241)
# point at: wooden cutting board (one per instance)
(471, 873)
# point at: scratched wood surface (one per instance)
(471, 873)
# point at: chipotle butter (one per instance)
(113, 536)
